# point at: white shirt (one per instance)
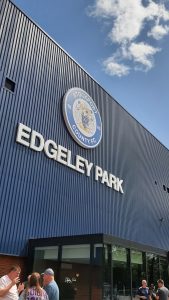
(12, 294)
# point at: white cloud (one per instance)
(102, 8)
(154, 10)
(113, 68)
(128, 19)
(128, 16)
(143, 54)
(158, 31)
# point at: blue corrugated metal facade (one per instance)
(43, 198)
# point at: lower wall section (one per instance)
(7, 261)
(96, 267)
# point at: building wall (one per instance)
(42, 198)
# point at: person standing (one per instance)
(50, 285)
(143, 291)
(162, 292)
(34, 290)
(8, 284)
(152, 291)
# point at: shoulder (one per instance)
(166, 291)
(4, 279)
(53, 284)
(139, 290)
(22, 295)
(45, 295)
(52, 287)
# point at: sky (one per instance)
(122, 44)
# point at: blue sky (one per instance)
(123, 45)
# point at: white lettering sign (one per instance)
(35, 141)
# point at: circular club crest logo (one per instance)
(82, 118)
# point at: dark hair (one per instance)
(34, 282)
(160, 281)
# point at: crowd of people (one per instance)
(38, 286)
(149, 293)
(44, 287)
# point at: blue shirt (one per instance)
(143, 292)
(52, 290)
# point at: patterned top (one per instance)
(33, 294)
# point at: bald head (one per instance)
(144, 283)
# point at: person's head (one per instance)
(34, 279)
(48, 276)
(144, 283)
(14, 271)
(160, 283)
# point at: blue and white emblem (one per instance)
(82, 118)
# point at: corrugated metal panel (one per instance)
(42, 198)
